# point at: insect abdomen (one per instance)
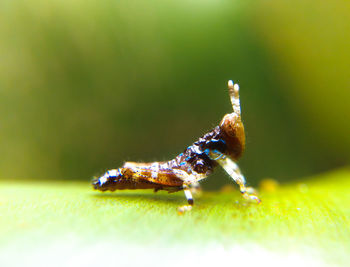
(139, 176)
(122, 183)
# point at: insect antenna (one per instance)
(233, 90)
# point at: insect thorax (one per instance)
(200, 158)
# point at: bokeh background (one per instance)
(87, 84)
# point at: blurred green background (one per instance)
(86, 85)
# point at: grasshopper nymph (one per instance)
(221, 146)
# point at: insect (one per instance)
(221, 146)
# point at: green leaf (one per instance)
(64, 222)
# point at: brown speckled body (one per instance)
(221, 146)
(228, 138)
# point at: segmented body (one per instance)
(194, 164)
(221, 146)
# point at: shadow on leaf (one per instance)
(142, 196)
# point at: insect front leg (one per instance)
(189, 197)
(233, 170)
(195, 189)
